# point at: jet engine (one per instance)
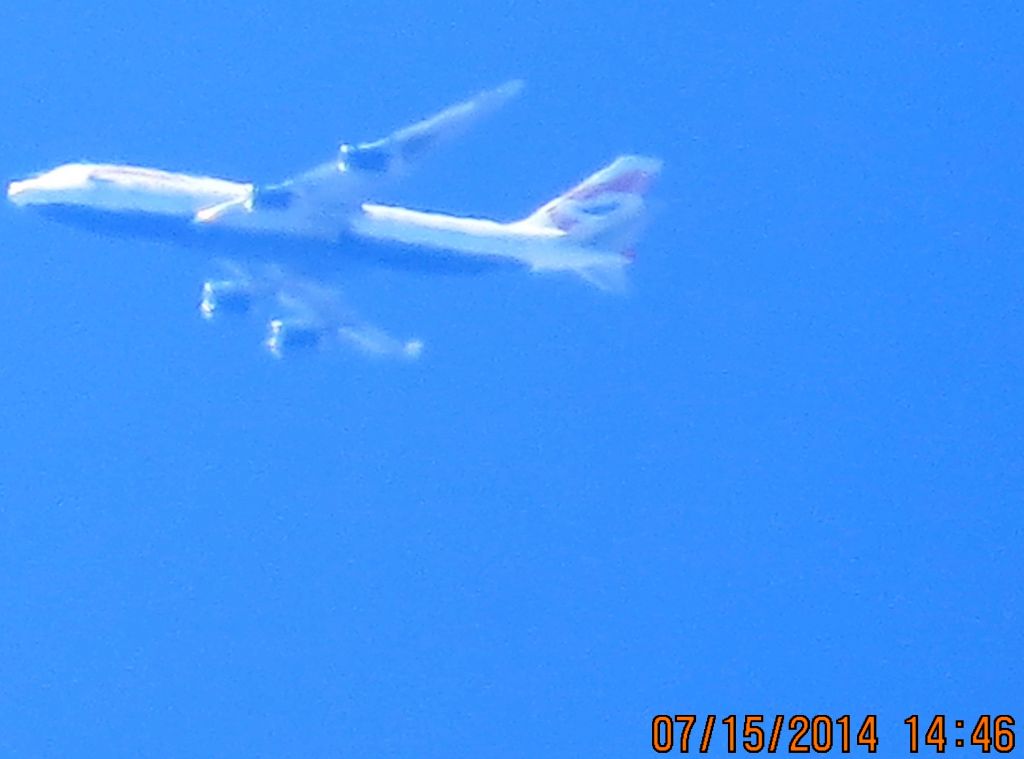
(272, 198)
(286, 334)
(367, 157)
(233, 296)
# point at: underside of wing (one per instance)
(300, 313)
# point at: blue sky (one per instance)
(783, 475)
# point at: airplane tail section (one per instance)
(606, 210)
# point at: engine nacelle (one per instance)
(226, 296)
(367, 157)
(288, 334)
(272, 198)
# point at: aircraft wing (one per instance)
(396, 153)
(311, 210)
(301, 312)
(316, 206)
(316, 201)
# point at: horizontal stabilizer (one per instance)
(608, 278)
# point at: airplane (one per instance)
(324, 219)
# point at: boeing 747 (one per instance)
(298, 234)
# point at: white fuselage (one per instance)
(539, 248)
(225, 206)
(124, 189)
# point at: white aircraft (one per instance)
(323, 219)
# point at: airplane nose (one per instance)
(14, 190)
(23, 193)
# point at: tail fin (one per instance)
(606, 210)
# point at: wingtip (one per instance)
(513, 87)
(505, 91)
(413, 349)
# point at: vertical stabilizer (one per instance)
(606, 210)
